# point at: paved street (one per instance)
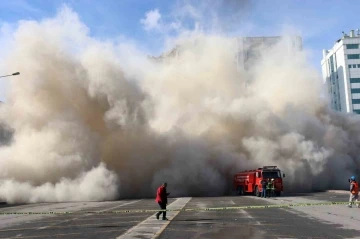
(336, 221)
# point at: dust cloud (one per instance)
(101, 120)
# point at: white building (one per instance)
(341, 73)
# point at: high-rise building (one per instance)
(341, 73)
(250, 48)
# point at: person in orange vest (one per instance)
(272, 187)
(161, 199)
(354, 192)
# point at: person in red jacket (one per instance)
(161, 199)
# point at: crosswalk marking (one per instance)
(151, 227)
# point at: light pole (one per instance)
(13, 74)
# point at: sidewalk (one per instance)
(335, 214)
(338, 191)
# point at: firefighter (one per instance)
(354, 192)
(161, 199)
(263, 185)
(268, 188)
(272, 188)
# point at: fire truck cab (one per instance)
(249, 182)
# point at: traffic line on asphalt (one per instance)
(151, 227)
(66, 227)
(101, 211)
(181, 209)
(66, 235)
(183, 203)
(247, 215)
(42, 236)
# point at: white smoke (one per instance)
(97, 120)
(95, 185)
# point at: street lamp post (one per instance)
(13, 74)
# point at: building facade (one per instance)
(249, 49)
(341, 73)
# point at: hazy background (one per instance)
(94, 118)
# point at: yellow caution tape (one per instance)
(180, 210)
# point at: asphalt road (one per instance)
(311, 222)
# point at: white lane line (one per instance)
(121, 205)
(73, 219)
(286, 238)
(247, 215)
(151, 227)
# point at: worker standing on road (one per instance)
(263, 185)
(161, 199)
(272, 187)
(268, 188)
(354, 192)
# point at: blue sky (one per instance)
(319, 22)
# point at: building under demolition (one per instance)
(248, 49)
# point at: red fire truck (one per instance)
(249, 182)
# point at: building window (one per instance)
(355, 101)
(349, 66)
(353, 56)
(335, 62)
(358, 65)
(354, 80)
(352, 46)
(357, 111)
(355, 90)
(354, 66)
(332, 63)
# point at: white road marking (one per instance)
(247, 215)
(73, 219)
(286, 238)
(151, 227)
(9, 220)
(108, 209)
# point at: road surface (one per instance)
(334, 221)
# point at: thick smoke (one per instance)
(97, 120)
